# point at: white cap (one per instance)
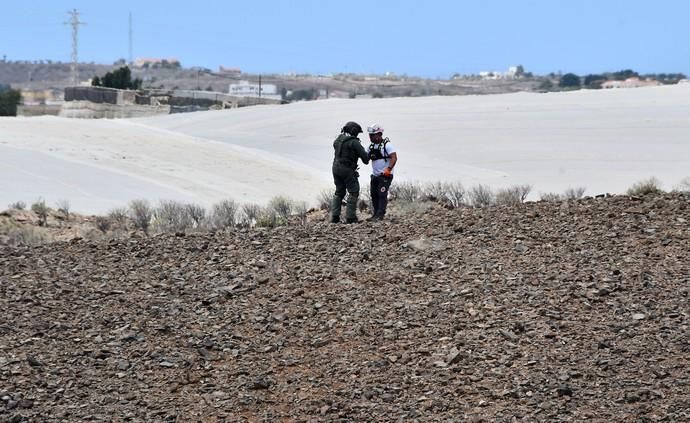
(375, 129)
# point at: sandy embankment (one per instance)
(602, 140)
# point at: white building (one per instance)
(247, 89)
(511, 73)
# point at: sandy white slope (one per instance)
(603, 140)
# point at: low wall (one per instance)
(38, 110)
(89, 110)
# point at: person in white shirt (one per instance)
(383, 159)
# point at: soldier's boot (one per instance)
(351, 208)
(336, 205)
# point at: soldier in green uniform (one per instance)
(348, 150)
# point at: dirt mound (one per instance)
(548, 311)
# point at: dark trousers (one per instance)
(379, 193)
(345, 179)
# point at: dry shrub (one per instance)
(64, 207)
(171, 217)
(223, 215)
(324, 200)
(550, 196)
(406, 192)
(455, 194)
(684, 185)
(250, 212)
(649, 186)
(41, 210)
(103, 223)
(15, 234)
(301, 208)
(512, 195)
(196, 214)
(481, 196)
(268, 218)
(118, 217)
(141, 214)
(574, 193)
(19, 205)
(283, 206)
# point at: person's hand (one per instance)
(387, 172)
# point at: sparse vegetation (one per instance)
(41, 210)
(406, 192)
(324, 200)
(268, 218)
(574, 193)
(103, 223)
(513, 195)
(684, 185)
(118, 217)
(224, 215)
(646, 187)
(16, 234)
(550, 196)
(250, 212)
(196, 213)
(64, 207)
(283, 206)
(301, 209)
(481, 196)
(172, 217)
(19, 205)
(141, 214)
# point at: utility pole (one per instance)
(131, 62)
(75, 22)
(259, 86)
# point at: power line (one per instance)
(75, 22)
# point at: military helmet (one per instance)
(352, 128)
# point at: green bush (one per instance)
(269, 219)
(120, 79)
(569, 80)
(9, 99)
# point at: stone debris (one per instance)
(542, 312)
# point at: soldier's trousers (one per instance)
(345, 179)
(379, 193)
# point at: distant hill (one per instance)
(52, 75)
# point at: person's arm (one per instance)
(361, 152)
(393, 160)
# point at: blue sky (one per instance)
(426, 38)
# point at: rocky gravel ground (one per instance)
(566, 311)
